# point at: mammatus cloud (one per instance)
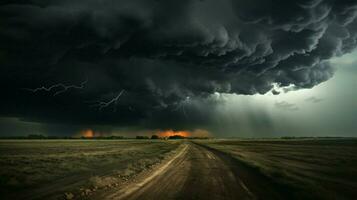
(163, 54)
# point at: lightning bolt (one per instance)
(104, 104)
(62, 88)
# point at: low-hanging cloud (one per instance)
(162, 53)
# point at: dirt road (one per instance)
(197, 172)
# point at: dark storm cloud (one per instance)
(161, 54)
(274, 92)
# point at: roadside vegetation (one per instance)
(47, 169)
(316, 168)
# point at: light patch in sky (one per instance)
(329, 109)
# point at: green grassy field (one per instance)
(47, 169)
(323, 169)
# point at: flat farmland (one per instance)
(309, 168)
(47, 169)
(212, 169)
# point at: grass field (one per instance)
(314, 168)
(47, 169)
(54, 169)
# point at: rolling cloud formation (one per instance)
(160, 54)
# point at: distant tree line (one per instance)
(44, 137)
(154, 137)
(141, 137)
(39, 137)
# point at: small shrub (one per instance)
(155, 137)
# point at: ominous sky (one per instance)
(245, 68)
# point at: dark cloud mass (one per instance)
(162, 54)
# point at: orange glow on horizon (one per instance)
(169, 133)
(88, 133)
